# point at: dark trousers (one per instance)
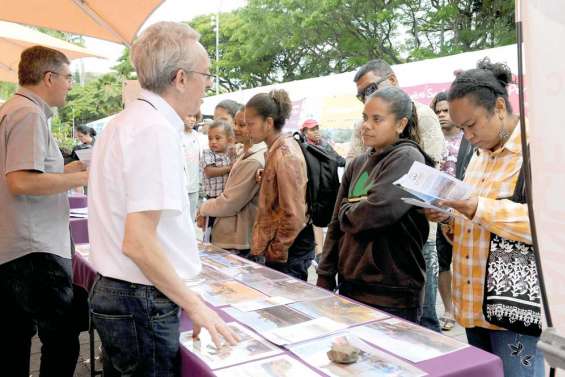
(295, 266)
(37, 296)
(409, 314)
(300, 255)
(139, 329)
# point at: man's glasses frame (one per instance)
(68, 77)
(370, 89)
(209, 76)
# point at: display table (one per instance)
(467, 362)
(78, 201)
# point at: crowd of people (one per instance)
(152, 179)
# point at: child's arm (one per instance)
(211, 171)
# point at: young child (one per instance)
(217, 161)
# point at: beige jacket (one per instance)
(236, 208)
(282, 201)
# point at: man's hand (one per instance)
(75, 167)
(202, 316)
(467, 207)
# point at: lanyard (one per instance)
(146, 101)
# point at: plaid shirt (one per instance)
(213, 187)
(494, 175)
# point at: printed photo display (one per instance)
(268, 318)
(252, 273)
(314, 328)
(227, 292)
(290, 288)
(372, 362)
(340, 310)
(407, 340)
(250, 347)
(278, 366)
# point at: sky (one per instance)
(170, 10)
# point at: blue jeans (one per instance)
(37, 295)
(519, 353)
(429, 315)
(139, 329)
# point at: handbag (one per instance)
(512, 296)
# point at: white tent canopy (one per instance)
(425, 72)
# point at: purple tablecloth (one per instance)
(79, 230)
(78, 201)
(468, 362)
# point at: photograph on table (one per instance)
(268, 318)
(250, 347)
(278, 366)
(222, 293)
(300, 332)
(207, 275)
(249, 306)
(407, 340)
(205, 247)
(340, 310)
(255, 272)
(290, 288)
(225, 262)
(372, 362)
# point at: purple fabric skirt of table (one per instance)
(468, 362)
(78, 201)
(79, 230)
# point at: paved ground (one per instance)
(83, 365)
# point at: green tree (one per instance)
(271, 41)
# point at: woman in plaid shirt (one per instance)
(479, 105)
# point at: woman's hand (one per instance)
(200, 221)
(436, 216)
(467, 207)
(259, 175)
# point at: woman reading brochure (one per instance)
(374, 241)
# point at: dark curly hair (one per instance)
(485, 84)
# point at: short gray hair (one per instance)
(378, 66)
(160, 51)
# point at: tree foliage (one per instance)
(271, 41)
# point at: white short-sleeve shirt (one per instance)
(138, 165)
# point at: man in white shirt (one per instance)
(142, 240)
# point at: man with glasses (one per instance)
(35, 251)
(369, 78)
(143, 243)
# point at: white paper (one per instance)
(314, 328)
(278, 366)
(421, 204)
(84, 155)
(248, 306)
(372, 361)
(407, 340)
(250, 347)
(431, 184)
(80, 213)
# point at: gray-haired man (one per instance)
(35, 265)
(143, 242)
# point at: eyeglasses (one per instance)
(208, 76)
(370, 89)
(68, 77)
